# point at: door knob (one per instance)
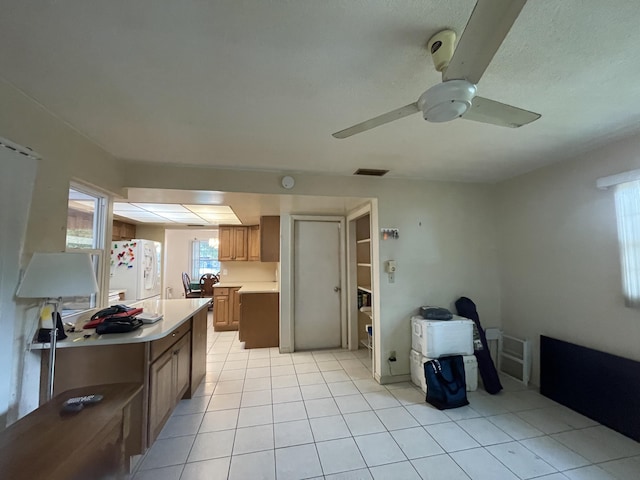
(336, 289)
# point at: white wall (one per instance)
(559, 255)
(248, 271)
(177, 257)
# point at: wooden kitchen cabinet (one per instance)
(233, 243)
(226, 308)
(270, 238)
(169, 378)
(254, 243)
(260, 320)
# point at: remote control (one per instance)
(84, 400)
(72, 407)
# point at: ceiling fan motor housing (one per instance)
(447, 100)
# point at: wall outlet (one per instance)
(392, 277)
(392, 356)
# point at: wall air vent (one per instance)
(372, 172)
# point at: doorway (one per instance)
(318, 277)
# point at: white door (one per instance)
(316, 270)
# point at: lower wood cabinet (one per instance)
(226, 308)
(169, 378)
(260, 320)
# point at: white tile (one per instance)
(205, 389)
(212, 445)
(258, 362)
(292, 433)
(311, 378)
(379, 448)
(485, 404)
(231, 386)
(229, 375)
(461, 413)
(288, 394)
(334, 376)
(179, 425)
(169, 451)
(306, 368)
(259, 353)
(553, 476)
(416, 442)
(311, 392)
(191, 406)
(592, 472)
(483, 431)
(330, 365)
(232, 357)
(256, 466)
(408, 396)
(439, 467)
(514, 426)
(532, 399)
(297, 462)
(394, 471)
(344, 355)
(164, 473)
(545, 420)
(286, 412)
(321, 407)
(520, 460)
(351, 364)
(426, 414)
(298, 358)
(599, 444)
(369, 385)
(396, 418)
(219, 420)
(572, 418)
(343, 388)
(279, 361)
(362, 423)
(235, 365)
(359, 373)
(352, 403)
(253, 439)
(480, 465)
(252, 416)
(554, 453)
(451, 437)
(360, 474)
(282, 370)
(284, 381)
(382, 399)
(254, 399)
(624, 469)
(253, 384)
(225, 402)
(216, 469)
(329, 428)
(339, 456)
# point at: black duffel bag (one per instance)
(446, 382)
(118, 325)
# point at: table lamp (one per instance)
(51, 276)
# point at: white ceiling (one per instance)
(263, 84)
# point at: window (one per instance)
(627, 198)
(86, 222)
(204, 258)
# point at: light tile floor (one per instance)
(265, 415)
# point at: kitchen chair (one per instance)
(207, 281)
(188, 292)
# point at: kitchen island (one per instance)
(168, 358)
(252, 308)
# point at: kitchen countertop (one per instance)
(251, 287)
(175, 312)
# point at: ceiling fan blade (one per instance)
(486, 29)
(489, 111)
(379, 120)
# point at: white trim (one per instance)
(612, 180)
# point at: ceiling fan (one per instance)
(461, 70)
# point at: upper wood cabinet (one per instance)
(270, 238)
(254, 243)
(123, 231)
(233, 244)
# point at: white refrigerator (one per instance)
(135, 268)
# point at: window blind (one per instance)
(627, 199)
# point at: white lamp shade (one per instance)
(53, 275)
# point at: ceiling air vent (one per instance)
(372, 172)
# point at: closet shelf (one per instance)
(365, 288)
(364, 240)
(364, 265)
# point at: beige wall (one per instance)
(560, 267)
(248, 271)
